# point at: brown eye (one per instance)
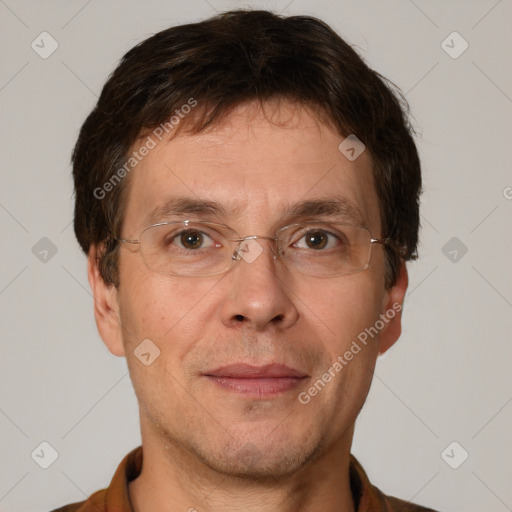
(316, 239)
(191, 239)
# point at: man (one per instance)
(247, 193)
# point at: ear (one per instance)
(392, 310)
(106, 306)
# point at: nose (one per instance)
(258, 297)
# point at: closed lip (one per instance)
(247, 371)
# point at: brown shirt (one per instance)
(367, 498)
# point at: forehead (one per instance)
(254, 170)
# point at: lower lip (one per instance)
(258, 387)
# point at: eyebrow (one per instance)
(186, 205)
(340, 208)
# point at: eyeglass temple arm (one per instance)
(127, 241)
(388, 242)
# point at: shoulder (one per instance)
(116, 496)
(397, 505)
(369, 498)
(72, 507)
(95, 503)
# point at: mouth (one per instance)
(256, 381)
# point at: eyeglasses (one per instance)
(201, 249)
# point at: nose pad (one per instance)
(249, 249)
(243, 250)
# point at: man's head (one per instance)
(238, 121)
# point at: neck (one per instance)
(172, 478)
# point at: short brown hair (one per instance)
(223, 62)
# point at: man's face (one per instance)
(259, 313)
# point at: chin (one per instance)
(261, 459)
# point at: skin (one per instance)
(206, 448)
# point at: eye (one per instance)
(318, 239)
(192, 239)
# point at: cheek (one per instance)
(173, 315)
(346, 308)
(163, 309)
(341, 308)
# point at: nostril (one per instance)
(239, 318)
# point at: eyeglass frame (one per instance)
(385, 242)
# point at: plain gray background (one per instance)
(447, 379)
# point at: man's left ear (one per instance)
(392, 310)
